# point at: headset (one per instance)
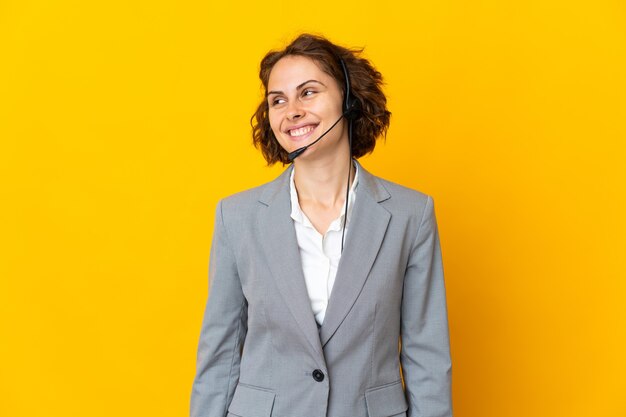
(351, 111)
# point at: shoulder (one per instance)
(402, 192)
(241, 205)
(244, 198)
(412, 209)
(401, 199)
(245, 203)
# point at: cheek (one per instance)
(332, 107)
(271, 117)
(274, 122)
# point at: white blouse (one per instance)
(320, 254)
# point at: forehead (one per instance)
(292, 70)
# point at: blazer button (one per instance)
(318, 375)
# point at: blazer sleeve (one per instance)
(223, 330)
(425, 344)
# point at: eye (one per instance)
(277, 101)
(308, 92)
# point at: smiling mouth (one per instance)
(296, 133)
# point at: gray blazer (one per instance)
(261, 352)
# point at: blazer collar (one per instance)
(369, 221)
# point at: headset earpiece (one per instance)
(352, 108)
(351, 105)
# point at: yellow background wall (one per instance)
(123, 122)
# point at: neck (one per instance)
(323, 181)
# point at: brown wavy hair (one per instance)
(365, 86)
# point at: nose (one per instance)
(294, 111)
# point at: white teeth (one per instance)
(301, 131)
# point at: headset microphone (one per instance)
(293, 155)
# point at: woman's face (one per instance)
(304, 102)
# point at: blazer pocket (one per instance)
(249, 401)
(386, 401)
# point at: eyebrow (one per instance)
(298, 87)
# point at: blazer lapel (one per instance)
(281, 249)
(366, 230)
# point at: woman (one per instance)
(305, 311)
